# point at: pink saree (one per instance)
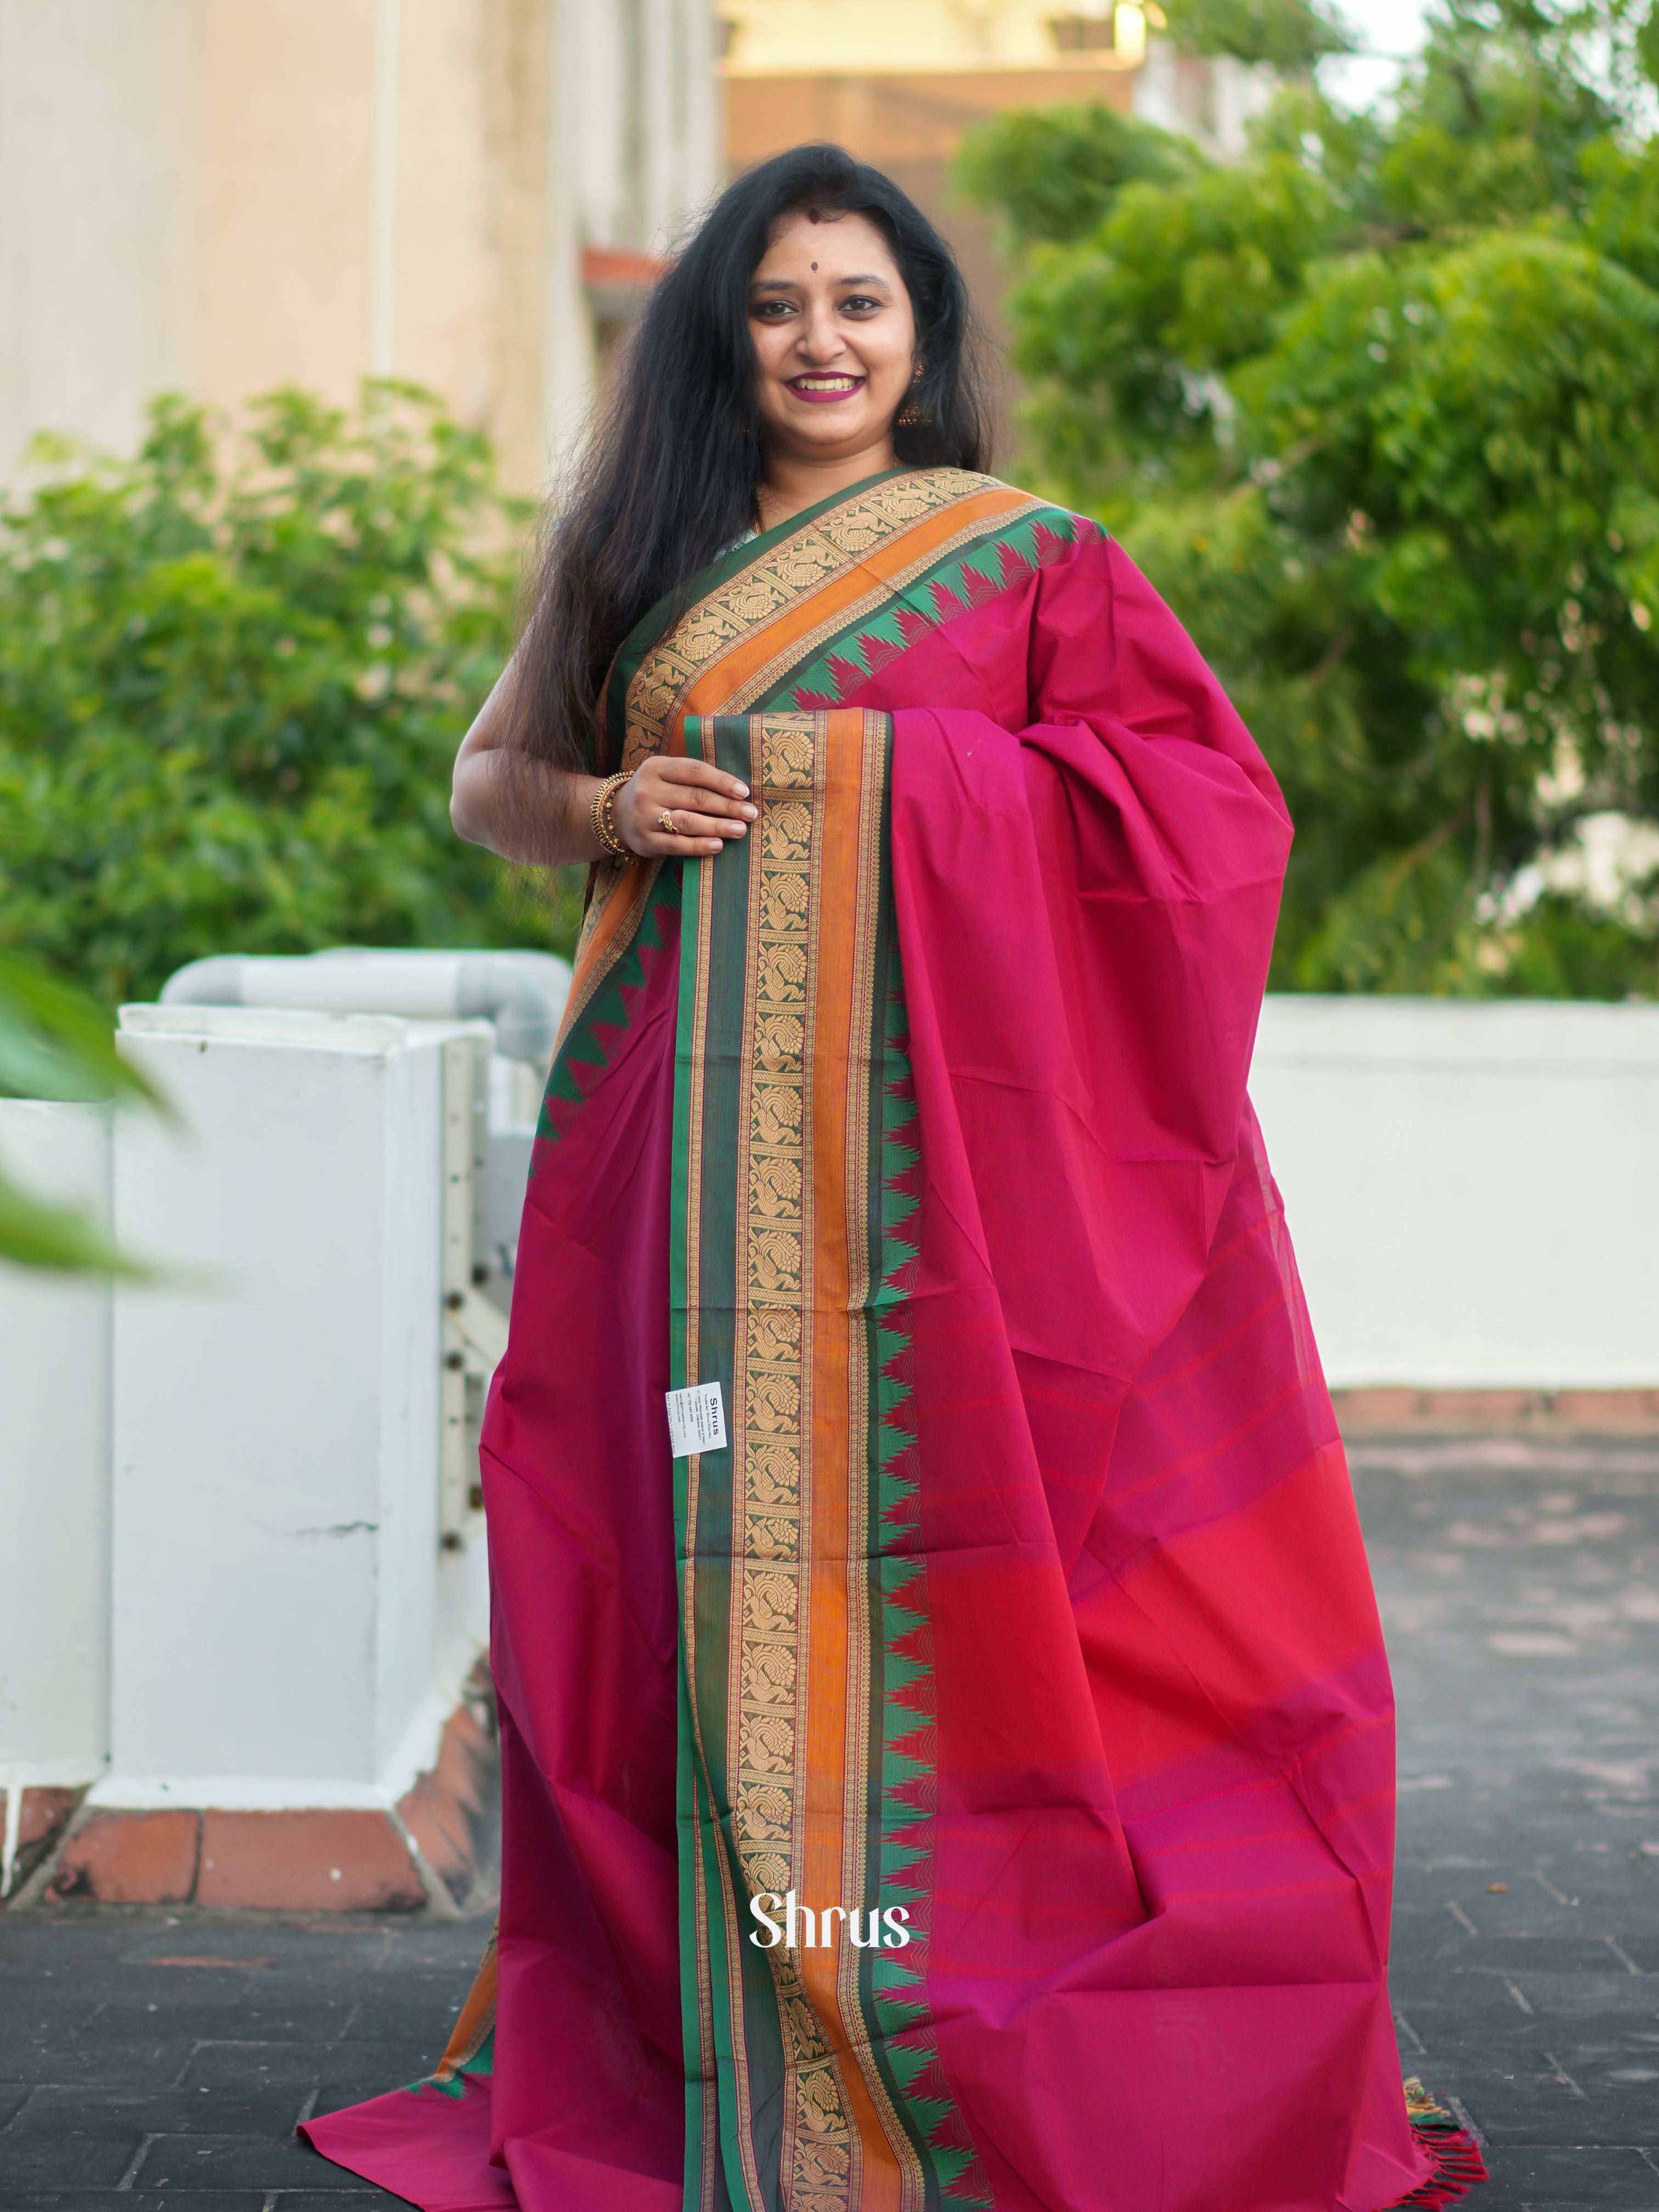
(1024, 1607)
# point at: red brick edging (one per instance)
(1553, 1410)
(309, 1860)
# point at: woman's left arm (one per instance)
(541, 816)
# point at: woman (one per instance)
(993, 1808)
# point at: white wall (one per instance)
(1473, 1188)
(222, 196)
(54, 1469)
(97, 270)
(1213, 99)
(286, 1627)
(1474, 1193)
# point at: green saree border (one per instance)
(658, 621)
(954, 585)
(739, 2079)
(904, 1702)
(599, 1030)
(721, 1982)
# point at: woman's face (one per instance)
(834, 337)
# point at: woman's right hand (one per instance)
(708, 806)
(542, 817)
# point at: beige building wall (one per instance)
(220, 196)
(97, 106)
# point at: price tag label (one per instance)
(697, 1420)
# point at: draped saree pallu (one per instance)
(973, 1784)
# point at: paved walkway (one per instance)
(151, 2059)
(1520, 1591)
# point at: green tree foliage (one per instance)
(233, 677)
(1288, 35)
(1378, 409)
(1053, 171)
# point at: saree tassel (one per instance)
(1458, 2168)
(1456, 2164)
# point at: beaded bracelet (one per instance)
(602, 814)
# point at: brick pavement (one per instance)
(151, 2059)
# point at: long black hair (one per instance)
(670, 475)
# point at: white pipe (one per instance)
(522, 994)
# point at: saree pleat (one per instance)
(1025, 1606)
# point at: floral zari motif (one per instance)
(779, 981)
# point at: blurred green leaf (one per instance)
(56, 1042)
(35, 1235)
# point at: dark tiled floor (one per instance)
(1520, 1591)
(152, 2060)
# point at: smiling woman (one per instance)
(915, 1509)
(835, 351)
(815, 334)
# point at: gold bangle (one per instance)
(602, 814)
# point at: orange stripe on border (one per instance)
(477, 2019)
(723, 679)
(836, 899)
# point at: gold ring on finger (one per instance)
(665, 823)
